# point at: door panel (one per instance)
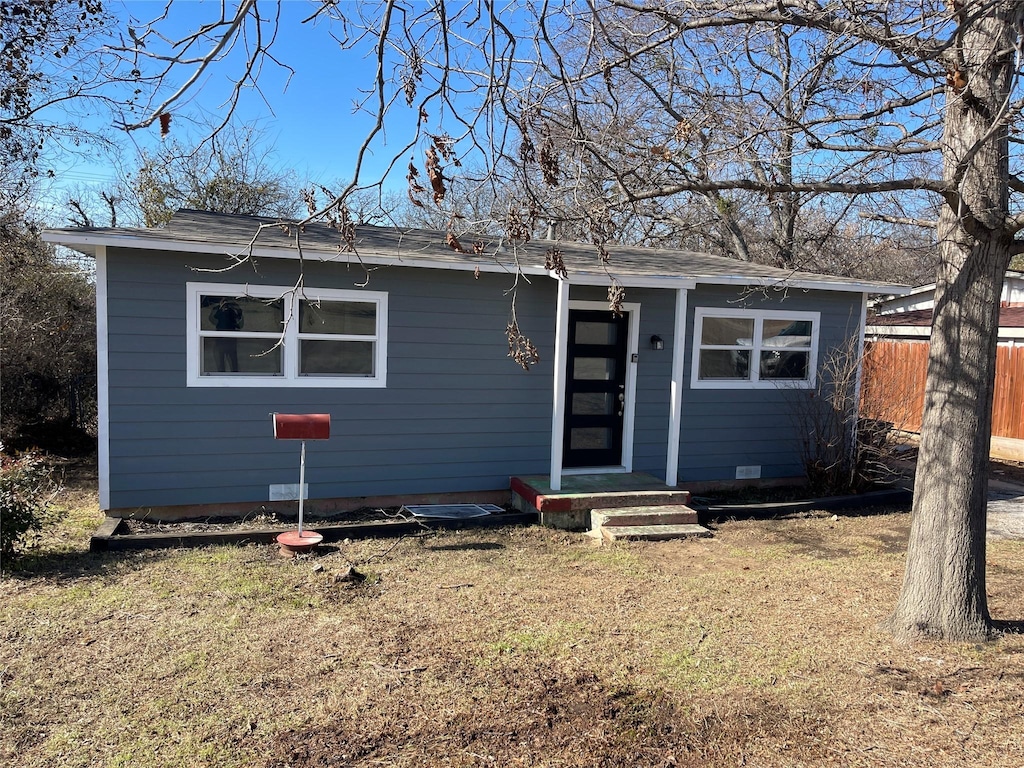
(595, 398)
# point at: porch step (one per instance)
(653, 532)
(673, 514)
(676, 521)
(570, 507)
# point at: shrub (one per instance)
(27, 491)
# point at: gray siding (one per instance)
(456, 415)
(726, 428)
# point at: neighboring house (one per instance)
(923, 297)
(898, 334)
(403, 341)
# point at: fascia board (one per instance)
(85, 243)
(807, 285)
(628, 281)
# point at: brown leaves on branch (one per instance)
(415, 188)
(517, 228)
(616, 295)
(165, 124)
(344, 224)
(435, 174)
(412, 76)
(527, 151)
(548, 158)
(553, 262)
(442, 147)
(453, 242)
(520, 348)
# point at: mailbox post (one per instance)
(303, 427)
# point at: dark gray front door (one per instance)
(595, 397)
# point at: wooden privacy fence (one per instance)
(893, 387)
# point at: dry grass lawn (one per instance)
(511, 647)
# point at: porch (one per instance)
(570, 506)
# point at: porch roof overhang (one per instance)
(235, 238)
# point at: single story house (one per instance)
(205, 330)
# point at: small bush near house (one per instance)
(27, 490)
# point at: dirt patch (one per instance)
(525, 716)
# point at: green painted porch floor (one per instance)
(585, 485)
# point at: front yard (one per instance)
(505, 647)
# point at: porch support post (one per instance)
(676, 391)
(558, 379)
(859, 381)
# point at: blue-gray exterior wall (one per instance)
(726, 428)
(457, 414)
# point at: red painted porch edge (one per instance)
(538, 500)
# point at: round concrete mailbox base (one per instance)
(293, 543)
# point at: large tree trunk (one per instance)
(944, 584)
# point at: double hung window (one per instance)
(754, 349)
(276, 336)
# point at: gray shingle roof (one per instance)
(428, 247)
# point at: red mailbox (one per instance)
(302, 426)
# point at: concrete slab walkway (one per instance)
(1005, 510)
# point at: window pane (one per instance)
(786, 333)
(596, 333)
(724, 364)
(593, 403)
(593, 368)
(352, 358)
(240, 356)
(590, 438)
(349, 317)
(241, 313)
(783, 364)
(727, 330)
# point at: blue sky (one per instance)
(308, 120)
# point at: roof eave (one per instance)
(88, 242)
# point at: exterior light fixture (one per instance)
(657, 342)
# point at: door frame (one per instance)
(632, 312)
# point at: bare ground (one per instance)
(506, 647)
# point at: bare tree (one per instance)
(232, 172)
(51, 73)
(899, 100)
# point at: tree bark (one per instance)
(943, 593)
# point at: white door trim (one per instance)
(632, 312)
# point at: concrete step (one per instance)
(671, 514)
(652, 532)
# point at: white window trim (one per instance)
(758, 316)
(290, 336)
